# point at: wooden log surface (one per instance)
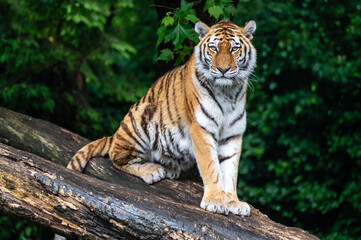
(108, 203)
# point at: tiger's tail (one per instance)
(96, 148)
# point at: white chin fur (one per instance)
(224, 82)
(243, 74)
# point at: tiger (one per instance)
(194, 114)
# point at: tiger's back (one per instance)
(193, 114)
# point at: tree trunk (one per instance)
(112, 205)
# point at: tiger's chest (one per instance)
(222, 114)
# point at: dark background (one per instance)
(82, 64)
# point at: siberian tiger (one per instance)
(193, 114)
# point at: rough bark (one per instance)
(116, 205)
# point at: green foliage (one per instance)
(217, 8)
(301, 158)
(178, 25)
(73, 61)
(165, 55)
(12, 228)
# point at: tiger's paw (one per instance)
(172, 173)
(216, 205)
(153, 173)
(239, 208)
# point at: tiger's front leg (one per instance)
(205, 148)
(229, 154)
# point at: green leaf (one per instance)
(228, 11)
(168, 21)
(215, 12)
(165, 55)
(182, 55)
(192, 18)
(185, 6)
(161, 34)
(179, 33)
(208, 4)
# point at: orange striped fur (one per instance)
(193, 114)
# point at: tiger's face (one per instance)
(225, 55)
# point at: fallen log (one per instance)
(112, 205)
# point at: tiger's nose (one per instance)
(223, 70)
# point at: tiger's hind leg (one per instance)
(149, 172)
(129, 158)
(132, 143)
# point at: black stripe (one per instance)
(224, 141)
(244, 43)
(191, 107)
(144, 126)
(128, 148)
(104, 142)
(77, 161)
(147, 116)
(248, 51)
(151, 95)
(167, 96)
(170, 137)
(236, 97)
(205, 111)
(188, 107)
(91, 149)
(72, 164)
(155, 143)
(178, 149)
(168, 150)
(212, 134)
(161, 125)
(134, 126)
(136, 105)
(143, 98)
(176, 108)
(160, 89)
(164, 81)
(249, 57)
(82, 155)
(222, 159)
(237, 119)
(206, 62)
(110, 141)
(127, 131)
(123, 160)
(201, 57)
(121, 138)
(209, 90)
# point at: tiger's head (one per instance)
(225, 55)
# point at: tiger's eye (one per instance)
(234, 49)
(214, 49)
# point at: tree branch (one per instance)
(119, 206)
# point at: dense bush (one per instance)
(302, 151)
(81, 64)
(77, 63)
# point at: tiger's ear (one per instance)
(249, 29)
(201, 29)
